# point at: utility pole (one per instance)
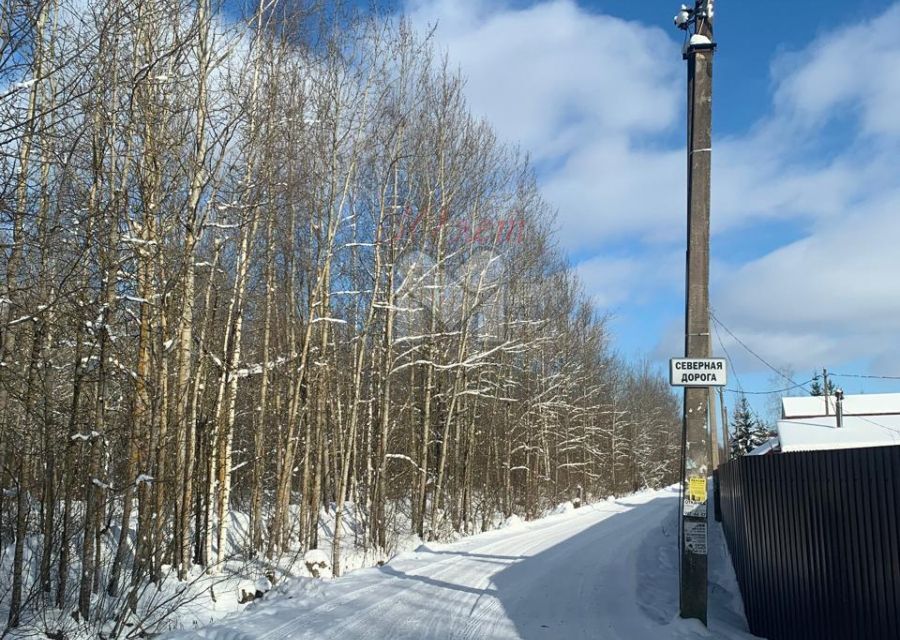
(713, 426)
(726, 441)
(698, 52)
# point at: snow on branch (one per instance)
(138, 241)
(448, 334)
(400, 456)
(258, 368)
(469, 363)
(391, 307)
(483, 393)
(221, 225)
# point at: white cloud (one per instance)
(612, 281)
(609, 280)
(834, 295)
(544, 75)
(577, 90)
(609, 190)
(557, 78)
(839, 284)
(845, 86)
(857, 67)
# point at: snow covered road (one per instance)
(607, 570)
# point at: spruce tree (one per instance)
(747, 432)
(816, 388)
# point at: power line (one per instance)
(754, 354)
(859, 375)
(731, 366)
(796, 384)
(762, 393)
(893, 431)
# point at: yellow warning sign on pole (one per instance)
(697, 489)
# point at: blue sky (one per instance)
(806, 187)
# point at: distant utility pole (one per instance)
(697, 23)
(726, 440)
(713, 427)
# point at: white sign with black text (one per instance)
(698, 372)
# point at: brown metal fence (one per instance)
(815, 542)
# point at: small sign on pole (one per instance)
(695, 536)
(698, 372)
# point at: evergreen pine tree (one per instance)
(816, 388)
(747, 432)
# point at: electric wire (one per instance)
(718, 322)
(754, 354)
(763, 393)
(731, 366)
(859, 375)
(893, 432)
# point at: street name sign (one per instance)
(698, 372)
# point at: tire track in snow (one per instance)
(454, 596)
(288, 629)
(471, 576)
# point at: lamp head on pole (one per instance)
(683, 17)
(696, 22)
(702, 11)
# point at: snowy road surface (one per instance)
(607, 570)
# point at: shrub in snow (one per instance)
(248, 591)
(565, 507)
(512, 521)
(317, 563)
(264, 585)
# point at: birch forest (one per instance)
(264, 261)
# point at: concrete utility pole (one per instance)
(698, 52)
(715, 452)
(726, 441)
(713, 427)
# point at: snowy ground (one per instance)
(203, 599)
(607, 570)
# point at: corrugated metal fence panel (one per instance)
(815, 542)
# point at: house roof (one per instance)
(769, 446)
(820, 433)
(867, 404)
